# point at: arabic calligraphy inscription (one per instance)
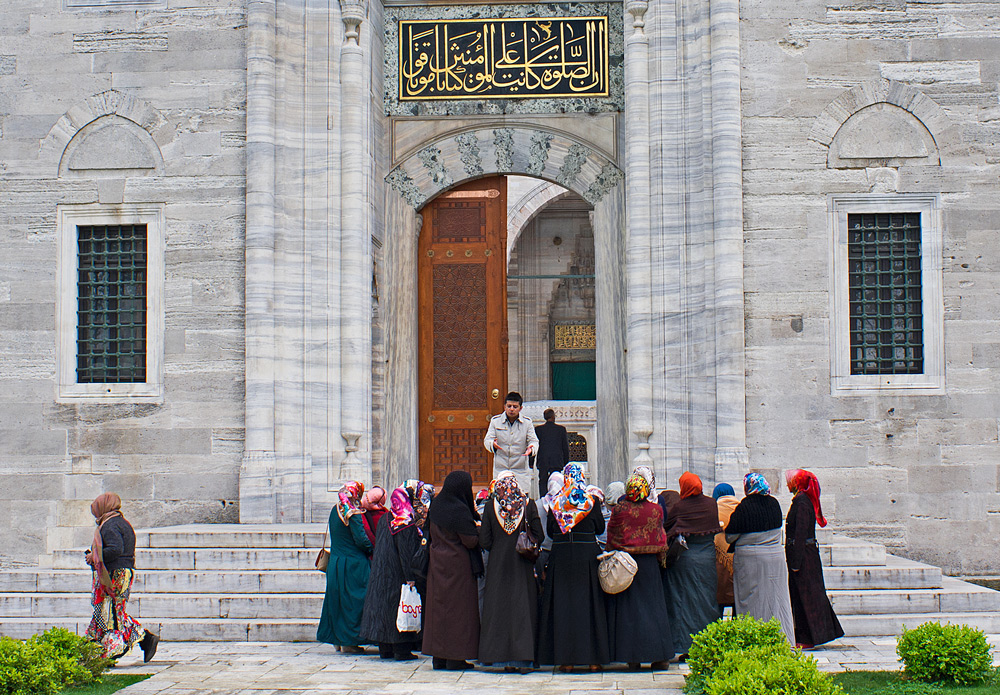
(503, 58)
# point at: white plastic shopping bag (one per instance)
(408, 616)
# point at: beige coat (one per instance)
(513, 440)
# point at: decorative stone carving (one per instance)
(113, 145)
(882, 133)
(404, 185)
(609, 177)
(637, 8)
(430, 157)
(503, 140)
(468, 146)
(572, 165)
(538, 155)
(352, 14)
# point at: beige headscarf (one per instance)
(108, 505)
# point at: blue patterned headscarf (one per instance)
(756, 484)
(573, 502)
(723, 490)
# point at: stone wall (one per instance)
(918, 472)
(171, 79)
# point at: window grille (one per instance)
(111, 304)
(886, 311)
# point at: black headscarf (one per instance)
(755, 513)
(454, 508)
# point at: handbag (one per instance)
(674, 550)
(616, 571)
(410, 610)
(526, 545)
(323, 559)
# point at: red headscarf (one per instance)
(690, 484)
(803, 481)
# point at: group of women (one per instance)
(483, 598)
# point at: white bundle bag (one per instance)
(616, 571)
(410, 612)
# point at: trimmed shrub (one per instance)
(49, 662)
(769, 670)
(710, 646)
(945, 653)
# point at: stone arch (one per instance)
(915, 112)
(528, 206)
(545, 154)
(54, 146)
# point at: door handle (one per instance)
(495, 394)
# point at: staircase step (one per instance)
(206, 558)
(183, 629)
(173, 581)
(154, 606)
(897, 573)
(233, 536)
(888, 625)
(954, 596)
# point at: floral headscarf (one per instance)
(806, 482)
(596, 492)
(647, 473)
(508, 502)
(107, 506)
(756, 484)
(350, 500)
(573, 503)
(420, 494)
(636, 487)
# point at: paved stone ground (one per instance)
(302, 668)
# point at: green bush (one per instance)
(945, 653)
(711, 645)
(769, 670)
(49, 662)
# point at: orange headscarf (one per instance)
(803, 481)
(108, 505)
(690, 484)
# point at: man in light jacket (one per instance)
(511, 439)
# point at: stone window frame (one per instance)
(69, 217)
(114, 4)
(932, 380)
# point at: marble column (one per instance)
(731, 454)
(257, 472)
(638, 247)
(355, 251)
(612, 388)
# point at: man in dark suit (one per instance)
(553, 449)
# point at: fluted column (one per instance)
(257, 472)
(638, 246)
(355, 251)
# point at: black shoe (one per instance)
(404, 656)
(385, 651)
(459, 665)
(438, 664)
(149, 643)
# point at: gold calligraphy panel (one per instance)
(575, 337)
(503, 58)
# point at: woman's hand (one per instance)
(88, 558)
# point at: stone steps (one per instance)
(257, 582)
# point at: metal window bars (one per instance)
(886, 306)
(111, 308)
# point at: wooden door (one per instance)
(462, 269)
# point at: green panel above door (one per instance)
(574, 381)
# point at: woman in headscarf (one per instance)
(760, 578)
(814, 619)
(346, 573)
(112, 557)
(690, 581)
(598, 494)
(554, 486)
(451, 614)
(373, 504)
(639, 628)
(398, 537)
(510, 605)
(572, 624)
(725, 497)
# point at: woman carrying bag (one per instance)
(398, 537)
(510, 607)
(638, 625)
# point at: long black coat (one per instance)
(390, 569)
(573, 624)
(553, 450)
(510, 604)
(815, 621)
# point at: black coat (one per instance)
(390, 569)
(573, 621)
(510, 604)
(815, 621)
(118, 544)
(553, 450)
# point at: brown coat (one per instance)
(723, 558)
(451, 616)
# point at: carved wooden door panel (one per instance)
(462, 327)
